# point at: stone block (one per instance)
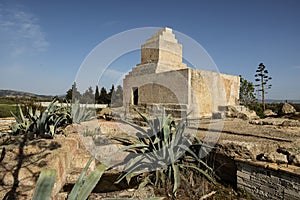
(243, 175)
(218, 115)
(291, 194)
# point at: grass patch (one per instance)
(5, 110)
(6, 100)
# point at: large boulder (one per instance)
(273, 157)
(247, 115)
(240, 112)
(269, 113)
(288, 109)
(105, 113)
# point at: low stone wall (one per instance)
(46, 104)
(268, 180)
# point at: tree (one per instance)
(111, 91)
(117, 97)
(104, 97)
(262, 79)
(247, 94)
(73, 93)
(88, 96)
(97, 95)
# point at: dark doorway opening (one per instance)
(135, 91)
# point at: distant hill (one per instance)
(282, 101)
(14, 93)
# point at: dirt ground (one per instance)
(236, 138)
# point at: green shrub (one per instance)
(275, 107)
(258, 108)
(166, 148)
(297, 107)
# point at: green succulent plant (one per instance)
(81, 190)
(81, 113)
(164, 148)
(44, 123)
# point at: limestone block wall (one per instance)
(268, 181)
(209, 90)
(156, 93)
(166, 87)
(232, 88)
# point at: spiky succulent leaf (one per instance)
(44, 184)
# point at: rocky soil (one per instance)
(270, 140)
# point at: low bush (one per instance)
(258, 108)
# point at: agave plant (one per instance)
(22, 123)
(165, 148)
(81, 190)
(81, 113)
(43, 123)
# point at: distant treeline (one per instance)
(114, 97)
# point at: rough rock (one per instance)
(269, 113)
(276, 122)
(296, 160)
(5, 125)
(288, 109)
(273, 157)
(240, 112)
(218, 115)
(247, 115)
(23, 159)
(106, 113)
(291, 123)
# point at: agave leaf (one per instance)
(176, 177)
(44, 184)
(151, 124)
(145, 182)
(132, 165)
(129, 176)
(195, 157)
(21, 114)
(52, 130)
(128, 171)
(30, 112)
(206, 175)
(79, 182)
(137, 146)
(90, 182)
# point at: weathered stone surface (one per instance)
(5, 125)
(162, 78)
(276, 122)
(106, 113)
(248, 115)
(268, 181)
(218, 115)
(24, 159)
(296, 160)
(288, 109)
(291, 123)
(240, 112)
(275, 157)
(269, 113)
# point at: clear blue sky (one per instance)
(43, 43)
